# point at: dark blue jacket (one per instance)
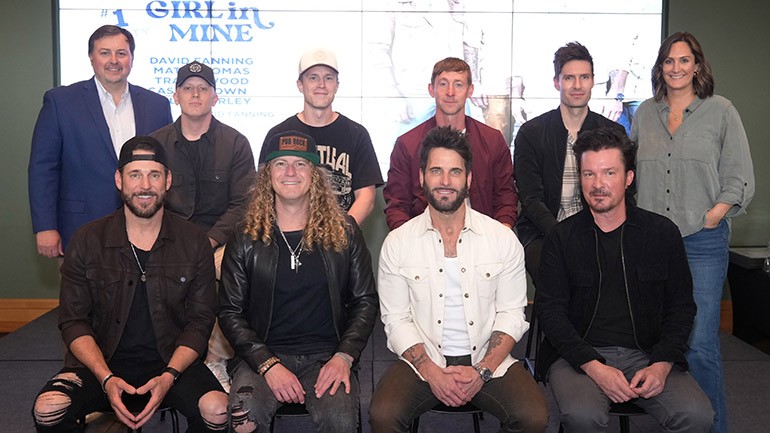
(72, 162)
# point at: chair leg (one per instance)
(415, 425)
(625, 426)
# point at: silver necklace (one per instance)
(295, 253)
(144, 276)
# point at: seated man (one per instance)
(297, 297)
(615, 302)
(452, 292)
(135, 310)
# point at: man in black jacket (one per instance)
(615, 302)
(544, 164)
(297, 297)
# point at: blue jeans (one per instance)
(708, 255)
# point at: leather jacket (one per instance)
(246, 295)
(658, 287)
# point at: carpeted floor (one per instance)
(31, 355)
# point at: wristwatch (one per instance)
(484, 372)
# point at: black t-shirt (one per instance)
(612, 324)
(346, 151)
(302, 321)
(137, 343)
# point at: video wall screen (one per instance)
(386, 50)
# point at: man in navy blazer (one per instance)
(78, 136)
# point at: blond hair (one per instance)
(326, 225)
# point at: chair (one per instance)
(299, 409)
(623, 411)
(477, 413)
(162, 411)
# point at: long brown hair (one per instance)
(326, 224)
(702, 81)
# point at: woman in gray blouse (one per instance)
(694, 167)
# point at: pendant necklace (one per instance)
(143, 277)
(295, 253)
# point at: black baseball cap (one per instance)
(142, 142)
(195, 69)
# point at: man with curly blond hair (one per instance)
(297, 297)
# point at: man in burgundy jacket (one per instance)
(492, 191)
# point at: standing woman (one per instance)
(694, 167)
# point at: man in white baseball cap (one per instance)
(344, 146)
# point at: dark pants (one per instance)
(86, 396)
(253, 402)
(401, 396)
(532, 253)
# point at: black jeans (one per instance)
(86, 395)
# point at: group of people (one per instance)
(192, 280)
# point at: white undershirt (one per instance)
(120, 118)
(454, 340)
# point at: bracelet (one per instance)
(104, 381)
(267, 365)
(344, 358)
(172, 371)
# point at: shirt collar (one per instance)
(105, 95)
(471, 223)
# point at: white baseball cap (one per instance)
(315, 57)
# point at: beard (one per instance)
(443, 205)
(600, 206)
(144, 211)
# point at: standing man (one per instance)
(492, 192)
(297, 300)
(452, 291)
(77, 138)
(344, 146)
(615, 302)
(135, 313)
(213, 171)
(546, 171)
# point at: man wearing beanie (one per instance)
(213, 170)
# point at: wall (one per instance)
(734, 36)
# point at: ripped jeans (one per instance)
(253, 404)
(74, 393)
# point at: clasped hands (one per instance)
(454, 385)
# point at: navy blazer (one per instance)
(72, 162)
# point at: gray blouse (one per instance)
(705, 162)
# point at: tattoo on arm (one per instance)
(416, 359)
(495, 340)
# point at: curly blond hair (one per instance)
(326, 225)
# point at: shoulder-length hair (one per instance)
(702, 81)
(326, 225)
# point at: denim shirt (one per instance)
(707, 161)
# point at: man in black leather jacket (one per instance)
(615, 302)
(297, 296)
